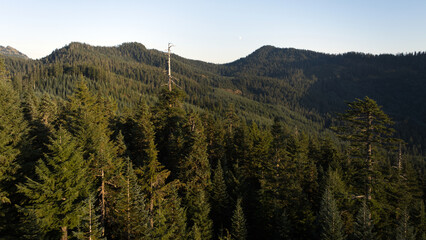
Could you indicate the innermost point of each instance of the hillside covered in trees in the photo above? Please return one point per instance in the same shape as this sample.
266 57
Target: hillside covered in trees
94 146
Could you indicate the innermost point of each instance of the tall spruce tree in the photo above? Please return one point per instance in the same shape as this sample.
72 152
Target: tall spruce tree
239 225
87 118
166 216
169 121
12 130
57 195
404 230
130 212
194 173
219 199
364 224
13 135
366 126
331 221
90 221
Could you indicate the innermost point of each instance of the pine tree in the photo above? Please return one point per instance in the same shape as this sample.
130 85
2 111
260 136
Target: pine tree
195 175
90 224
57 196
405 231
366 126
331 221
12 130
166 217
13 139
219 198
140 135
130 215
364 224
169 121
239 227
199 211
87 118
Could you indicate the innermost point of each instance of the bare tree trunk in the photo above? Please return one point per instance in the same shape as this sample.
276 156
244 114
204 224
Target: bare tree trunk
64 233
369 158
400 159
128 202
103 202
90 219
151 207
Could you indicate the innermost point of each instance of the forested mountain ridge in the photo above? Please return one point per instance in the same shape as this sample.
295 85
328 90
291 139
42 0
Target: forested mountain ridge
203 161
269 82
11 52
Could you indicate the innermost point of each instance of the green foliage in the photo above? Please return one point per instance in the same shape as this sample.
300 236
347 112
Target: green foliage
279 170
219 198
130 215
58 193
331 221
405 231
90 221
12 129
366 127
239 225
364 224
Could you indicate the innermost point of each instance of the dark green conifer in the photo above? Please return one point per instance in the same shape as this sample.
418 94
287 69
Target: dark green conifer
57 195
364 224
366 126
239 226
13 139
219 198
404 230
90 221
330 219
195 175
130 215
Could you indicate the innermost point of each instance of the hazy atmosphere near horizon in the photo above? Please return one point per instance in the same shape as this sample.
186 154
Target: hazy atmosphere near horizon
216 31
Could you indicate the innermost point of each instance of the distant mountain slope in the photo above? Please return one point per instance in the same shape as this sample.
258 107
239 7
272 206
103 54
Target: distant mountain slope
301 86
11 52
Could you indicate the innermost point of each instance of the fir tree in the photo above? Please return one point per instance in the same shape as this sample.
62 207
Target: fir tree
239 227
90 221
366 126
13 140
331 221
195 175
404 230
87 118
364 224
219 198
131 215
12 130
58 193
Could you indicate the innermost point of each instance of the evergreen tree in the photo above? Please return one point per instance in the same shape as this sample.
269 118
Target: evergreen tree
12 130
90 224
219 198
169 121
366 126
58 193
405 231
331 221
364 224
166 217
130 215
140 135
239 227
13 140
195 175
87 118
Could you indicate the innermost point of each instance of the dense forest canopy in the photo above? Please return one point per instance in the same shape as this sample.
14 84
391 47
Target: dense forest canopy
93 146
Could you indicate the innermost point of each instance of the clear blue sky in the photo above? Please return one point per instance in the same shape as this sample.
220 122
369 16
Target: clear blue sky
216 31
